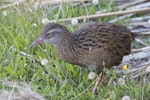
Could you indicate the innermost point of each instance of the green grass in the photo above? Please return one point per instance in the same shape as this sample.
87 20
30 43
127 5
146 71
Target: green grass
57 80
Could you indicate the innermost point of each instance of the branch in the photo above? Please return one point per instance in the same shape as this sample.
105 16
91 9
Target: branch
136 57
141 49
117 13
55 2
129 4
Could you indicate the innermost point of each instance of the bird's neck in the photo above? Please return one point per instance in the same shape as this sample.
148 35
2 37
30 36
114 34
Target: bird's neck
66 48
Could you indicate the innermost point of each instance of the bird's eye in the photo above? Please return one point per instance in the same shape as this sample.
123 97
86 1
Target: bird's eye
49 35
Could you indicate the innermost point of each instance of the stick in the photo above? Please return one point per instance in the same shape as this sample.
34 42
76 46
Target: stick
55 2
136 57
129 4
141 49
105 15
141 42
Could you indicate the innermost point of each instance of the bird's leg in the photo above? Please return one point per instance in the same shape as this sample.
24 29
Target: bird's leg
99 79
96 84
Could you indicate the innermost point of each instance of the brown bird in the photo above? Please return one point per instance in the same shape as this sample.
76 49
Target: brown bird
93 46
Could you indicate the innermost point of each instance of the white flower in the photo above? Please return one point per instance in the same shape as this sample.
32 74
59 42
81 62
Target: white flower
44 50
44 62
25 64
34 25
74 21
25 48
95 2
148 69
121 81
5 13
125 98
45 21
91 75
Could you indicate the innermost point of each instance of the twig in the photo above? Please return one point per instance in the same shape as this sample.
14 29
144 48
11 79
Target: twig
143 64
120 18
9 98
143 5
137 19
143 18
136 57
55 2
140 28
25 54
141 49
141 32
141 42
129 4
133 70
105 15
140 23
139 6
136 72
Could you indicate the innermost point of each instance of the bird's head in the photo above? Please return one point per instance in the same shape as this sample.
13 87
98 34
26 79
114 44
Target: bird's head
51 33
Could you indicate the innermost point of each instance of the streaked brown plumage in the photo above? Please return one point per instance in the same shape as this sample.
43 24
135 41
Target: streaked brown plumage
90 46
93 46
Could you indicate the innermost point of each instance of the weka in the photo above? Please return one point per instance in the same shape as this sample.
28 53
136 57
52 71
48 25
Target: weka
94 46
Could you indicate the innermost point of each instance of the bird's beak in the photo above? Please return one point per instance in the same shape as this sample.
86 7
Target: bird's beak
37 41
